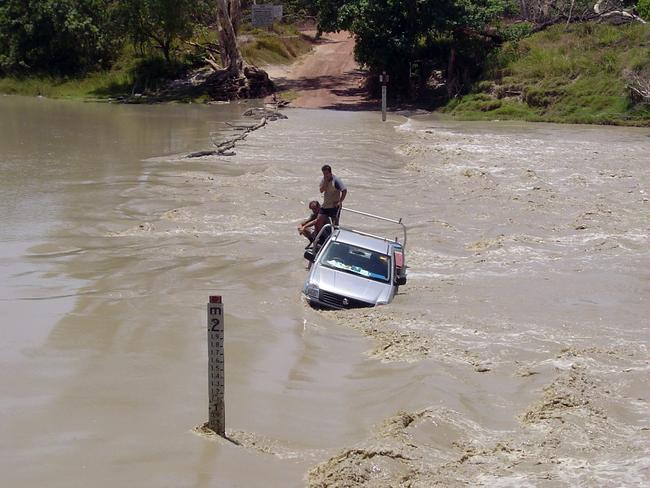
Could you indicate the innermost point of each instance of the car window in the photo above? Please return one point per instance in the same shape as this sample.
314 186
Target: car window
356 260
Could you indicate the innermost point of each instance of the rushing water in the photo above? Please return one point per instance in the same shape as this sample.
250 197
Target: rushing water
517 354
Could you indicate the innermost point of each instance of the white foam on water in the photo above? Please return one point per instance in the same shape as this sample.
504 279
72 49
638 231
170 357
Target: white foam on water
420 275
405 127
630 471
508 480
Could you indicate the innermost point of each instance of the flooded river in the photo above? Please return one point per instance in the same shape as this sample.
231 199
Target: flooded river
516 355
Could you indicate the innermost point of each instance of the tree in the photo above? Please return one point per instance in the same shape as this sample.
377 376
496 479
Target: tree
392 34
388 33
295 11
229 15
328 14
56 36
162 24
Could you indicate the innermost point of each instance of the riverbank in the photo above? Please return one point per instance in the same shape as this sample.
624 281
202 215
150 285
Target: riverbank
582 73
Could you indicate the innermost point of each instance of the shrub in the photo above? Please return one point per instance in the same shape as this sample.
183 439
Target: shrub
154 72
59 37
516 32
643 7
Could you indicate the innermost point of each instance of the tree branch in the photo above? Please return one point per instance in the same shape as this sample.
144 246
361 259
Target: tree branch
225 148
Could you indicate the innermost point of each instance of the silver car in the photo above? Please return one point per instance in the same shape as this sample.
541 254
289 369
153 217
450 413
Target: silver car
354 269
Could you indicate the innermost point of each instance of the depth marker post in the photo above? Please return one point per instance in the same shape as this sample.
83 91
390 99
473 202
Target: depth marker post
383 79
216 378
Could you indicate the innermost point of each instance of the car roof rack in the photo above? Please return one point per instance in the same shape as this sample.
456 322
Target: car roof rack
331 225
378 217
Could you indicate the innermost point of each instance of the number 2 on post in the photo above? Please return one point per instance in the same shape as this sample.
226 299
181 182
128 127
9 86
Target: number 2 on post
215 324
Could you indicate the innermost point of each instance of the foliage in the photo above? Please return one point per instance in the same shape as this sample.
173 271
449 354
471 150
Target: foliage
69 37
328 14
478 13
643 7
393 34
299 10
56 36
387 33
516 32
162 23
154 72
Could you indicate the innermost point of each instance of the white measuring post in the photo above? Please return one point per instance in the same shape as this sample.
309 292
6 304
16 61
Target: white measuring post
216 378
383 79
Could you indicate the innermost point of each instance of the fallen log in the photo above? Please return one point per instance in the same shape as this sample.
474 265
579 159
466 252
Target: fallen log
597 14
224 148
613 15
213 64
199 154
264 113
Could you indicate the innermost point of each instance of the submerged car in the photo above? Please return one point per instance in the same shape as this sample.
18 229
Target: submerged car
354 269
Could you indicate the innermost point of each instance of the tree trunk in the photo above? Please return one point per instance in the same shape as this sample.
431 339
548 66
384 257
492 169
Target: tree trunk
412 14
166 49
235 14
231 56
452 80
523 5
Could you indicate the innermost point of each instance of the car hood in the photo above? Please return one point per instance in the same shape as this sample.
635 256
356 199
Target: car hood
350 285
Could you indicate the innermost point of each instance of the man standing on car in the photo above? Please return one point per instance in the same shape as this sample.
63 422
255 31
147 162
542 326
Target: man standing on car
334 192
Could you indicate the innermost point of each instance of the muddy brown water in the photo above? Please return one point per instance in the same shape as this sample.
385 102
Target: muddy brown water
517 354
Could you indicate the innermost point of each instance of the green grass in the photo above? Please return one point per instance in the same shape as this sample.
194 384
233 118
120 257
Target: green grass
571 74
118 81
96 85
288 95
281 45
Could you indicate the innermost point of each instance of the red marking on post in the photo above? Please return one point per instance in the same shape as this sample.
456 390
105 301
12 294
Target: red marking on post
215 298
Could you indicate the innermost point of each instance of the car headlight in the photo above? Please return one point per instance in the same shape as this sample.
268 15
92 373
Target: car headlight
312 290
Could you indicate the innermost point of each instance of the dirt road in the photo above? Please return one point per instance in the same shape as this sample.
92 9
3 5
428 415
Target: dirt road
328 77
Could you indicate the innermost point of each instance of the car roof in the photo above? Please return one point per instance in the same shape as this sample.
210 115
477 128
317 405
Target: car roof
367 242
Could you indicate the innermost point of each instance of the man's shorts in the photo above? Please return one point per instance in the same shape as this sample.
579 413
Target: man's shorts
330 212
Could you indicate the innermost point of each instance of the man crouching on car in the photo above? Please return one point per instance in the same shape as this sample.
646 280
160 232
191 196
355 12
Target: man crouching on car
304 227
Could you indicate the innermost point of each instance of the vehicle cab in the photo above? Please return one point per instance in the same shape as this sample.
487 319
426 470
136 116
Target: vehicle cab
354 269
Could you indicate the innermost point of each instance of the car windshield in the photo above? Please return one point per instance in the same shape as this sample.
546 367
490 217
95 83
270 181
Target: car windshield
356 260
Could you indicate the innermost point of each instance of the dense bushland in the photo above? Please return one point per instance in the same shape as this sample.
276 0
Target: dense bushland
108 48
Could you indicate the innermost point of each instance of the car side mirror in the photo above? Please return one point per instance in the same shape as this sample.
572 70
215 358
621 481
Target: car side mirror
400 280
310 255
